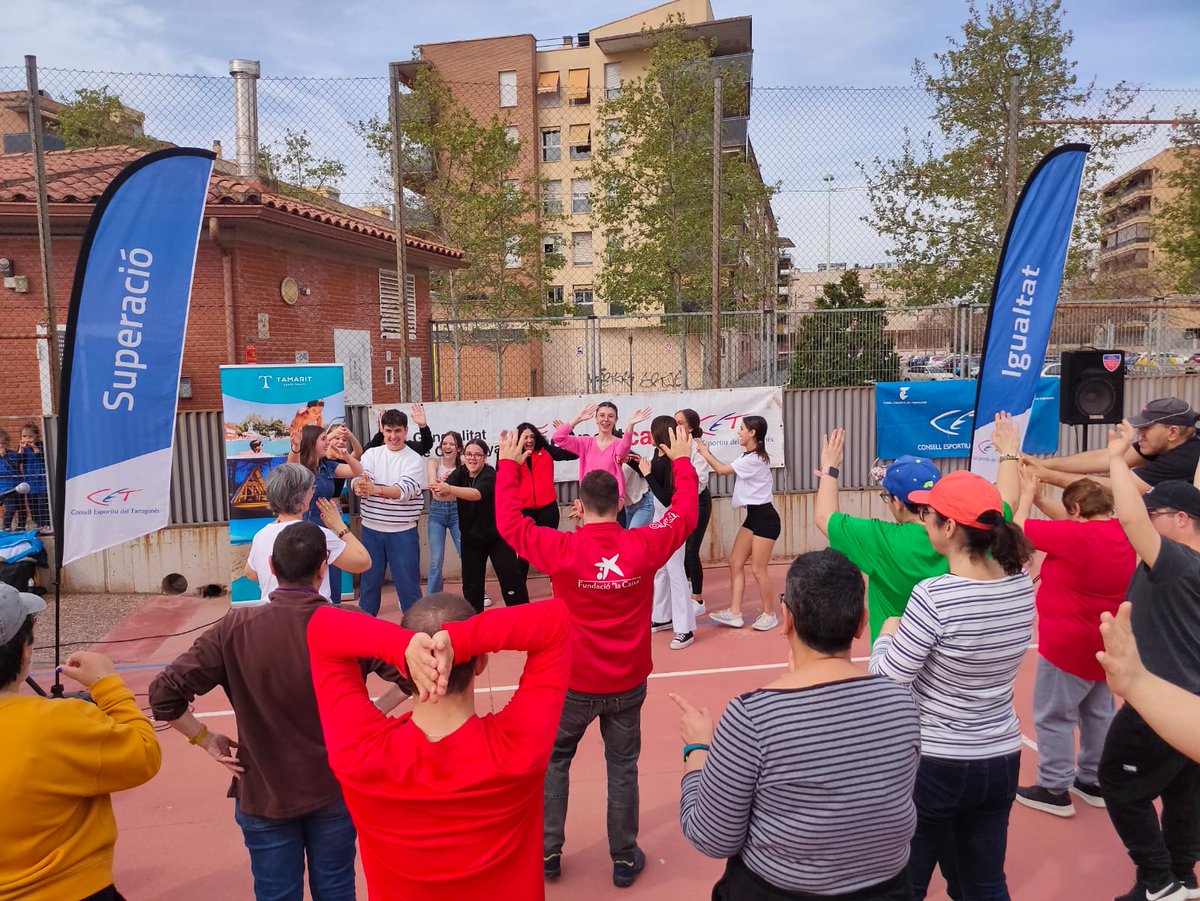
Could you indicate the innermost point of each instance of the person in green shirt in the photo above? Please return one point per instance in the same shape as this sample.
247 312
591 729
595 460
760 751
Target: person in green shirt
894 555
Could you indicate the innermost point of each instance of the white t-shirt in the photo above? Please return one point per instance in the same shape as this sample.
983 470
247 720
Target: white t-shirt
703 470
264 543
753 482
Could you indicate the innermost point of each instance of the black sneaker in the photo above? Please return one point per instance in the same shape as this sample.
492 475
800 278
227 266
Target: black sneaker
1172 891
1055 803
660 627
552 866
1088 793
626 871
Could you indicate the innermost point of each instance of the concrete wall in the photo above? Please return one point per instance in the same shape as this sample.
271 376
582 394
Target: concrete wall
201 554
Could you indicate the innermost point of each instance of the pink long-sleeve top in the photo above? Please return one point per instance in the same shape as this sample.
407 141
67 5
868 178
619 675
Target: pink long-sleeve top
592 456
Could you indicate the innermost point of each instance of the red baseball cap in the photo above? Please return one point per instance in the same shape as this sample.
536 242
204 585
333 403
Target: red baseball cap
963 497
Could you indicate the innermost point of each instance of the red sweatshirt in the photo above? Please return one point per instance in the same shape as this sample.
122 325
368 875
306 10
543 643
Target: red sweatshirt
606 576
460 817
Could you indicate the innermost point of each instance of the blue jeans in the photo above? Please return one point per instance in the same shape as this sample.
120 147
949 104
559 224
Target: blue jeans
278 849
443 518
620 718
962 825
640 513
399 551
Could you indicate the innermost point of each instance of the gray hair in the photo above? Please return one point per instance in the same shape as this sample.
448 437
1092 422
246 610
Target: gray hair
286 487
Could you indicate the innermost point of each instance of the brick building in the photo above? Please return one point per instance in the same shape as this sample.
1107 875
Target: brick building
278 280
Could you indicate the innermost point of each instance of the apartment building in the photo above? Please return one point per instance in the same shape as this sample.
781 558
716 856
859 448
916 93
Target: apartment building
1128 252
14 122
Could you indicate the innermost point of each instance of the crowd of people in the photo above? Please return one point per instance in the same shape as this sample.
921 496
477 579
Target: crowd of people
833 781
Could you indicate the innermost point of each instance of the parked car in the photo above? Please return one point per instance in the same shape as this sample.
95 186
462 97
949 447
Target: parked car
1052 369
1156 361
1192 364
917 362
967 368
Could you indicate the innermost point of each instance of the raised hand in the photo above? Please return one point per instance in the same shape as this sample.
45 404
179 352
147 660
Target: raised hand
418 415
1120 659
639 416
833 449
1120 440
511 447
586 413
429 659
1006 436
576 510
331 514
696 725
681 443
558 424
1029 480
87 667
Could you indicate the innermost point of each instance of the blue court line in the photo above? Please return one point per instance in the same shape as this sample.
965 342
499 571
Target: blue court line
119 669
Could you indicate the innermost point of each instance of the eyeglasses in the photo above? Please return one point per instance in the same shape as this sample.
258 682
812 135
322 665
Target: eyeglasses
1162 512
474 456
885 496
923 513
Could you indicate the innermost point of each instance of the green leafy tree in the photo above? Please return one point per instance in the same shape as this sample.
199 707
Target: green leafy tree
652 187
472 196
1177 224
97 118
292 167
845 343
945 210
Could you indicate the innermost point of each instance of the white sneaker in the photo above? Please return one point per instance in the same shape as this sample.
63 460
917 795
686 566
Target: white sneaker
727 618
682 640
487 602
766 622
701 609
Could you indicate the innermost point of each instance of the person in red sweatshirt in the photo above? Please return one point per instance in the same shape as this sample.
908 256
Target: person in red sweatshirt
605 574
446 803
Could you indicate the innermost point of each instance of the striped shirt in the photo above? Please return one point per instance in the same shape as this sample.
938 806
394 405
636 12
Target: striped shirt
403 469
812 786
959 646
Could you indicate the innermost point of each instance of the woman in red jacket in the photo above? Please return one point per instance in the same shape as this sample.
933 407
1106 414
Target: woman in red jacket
539 500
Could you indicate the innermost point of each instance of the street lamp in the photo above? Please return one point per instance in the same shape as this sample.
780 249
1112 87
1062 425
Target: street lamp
828 179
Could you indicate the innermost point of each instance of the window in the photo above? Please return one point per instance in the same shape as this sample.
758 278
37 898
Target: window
584 305
616 309
508 88
580 139
554 297
552 244
512 252
551 145
547 90
612 81
510 134
579 87
391 318
614 136
581 248
552 198
581 195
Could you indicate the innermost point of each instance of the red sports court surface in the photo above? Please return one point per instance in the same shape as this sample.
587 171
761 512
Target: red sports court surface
178 839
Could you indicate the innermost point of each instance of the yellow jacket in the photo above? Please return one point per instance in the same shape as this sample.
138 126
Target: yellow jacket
61 760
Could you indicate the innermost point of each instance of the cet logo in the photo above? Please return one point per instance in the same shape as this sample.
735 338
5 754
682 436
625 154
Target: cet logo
1111 361
950 426
904 392
607 566
106 497
730 418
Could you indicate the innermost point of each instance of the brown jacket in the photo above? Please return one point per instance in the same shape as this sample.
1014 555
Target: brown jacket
259 655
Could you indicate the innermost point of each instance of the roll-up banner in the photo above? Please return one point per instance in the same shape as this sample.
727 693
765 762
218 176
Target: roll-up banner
1024 298
123 351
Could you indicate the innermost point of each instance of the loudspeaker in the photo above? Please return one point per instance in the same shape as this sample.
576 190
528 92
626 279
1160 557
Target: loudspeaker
1092 387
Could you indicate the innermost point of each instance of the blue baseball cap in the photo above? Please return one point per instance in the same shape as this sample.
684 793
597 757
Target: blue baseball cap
910 474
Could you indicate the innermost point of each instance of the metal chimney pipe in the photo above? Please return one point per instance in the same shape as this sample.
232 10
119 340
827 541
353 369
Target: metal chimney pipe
245 75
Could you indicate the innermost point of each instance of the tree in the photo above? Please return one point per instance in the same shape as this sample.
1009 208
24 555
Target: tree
97 118
1177 224
652 186
291 166
846 345
473 197
945 211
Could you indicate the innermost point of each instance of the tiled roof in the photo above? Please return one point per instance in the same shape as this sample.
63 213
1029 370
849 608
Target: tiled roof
81 176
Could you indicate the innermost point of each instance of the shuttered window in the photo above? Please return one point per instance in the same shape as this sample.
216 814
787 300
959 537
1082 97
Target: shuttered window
391 318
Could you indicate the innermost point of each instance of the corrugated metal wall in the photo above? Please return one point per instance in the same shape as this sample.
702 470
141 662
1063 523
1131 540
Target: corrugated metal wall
198 487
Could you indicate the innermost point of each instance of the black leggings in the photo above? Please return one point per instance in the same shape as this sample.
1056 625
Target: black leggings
475 555
740 883
543 516
691 553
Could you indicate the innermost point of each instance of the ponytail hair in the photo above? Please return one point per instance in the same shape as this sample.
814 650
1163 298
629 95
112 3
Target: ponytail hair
1007 544
758 427
692 418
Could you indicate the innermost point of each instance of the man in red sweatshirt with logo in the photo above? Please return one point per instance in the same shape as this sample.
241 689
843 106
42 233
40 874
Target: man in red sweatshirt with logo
446 802
605 574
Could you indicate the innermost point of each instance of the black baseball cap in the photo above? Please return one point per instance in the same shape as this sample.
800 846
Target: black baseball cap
1174 494
1164 411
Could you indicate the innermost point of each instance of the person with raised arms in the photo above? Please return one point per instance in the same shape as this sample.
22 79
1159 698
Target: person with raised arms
605 451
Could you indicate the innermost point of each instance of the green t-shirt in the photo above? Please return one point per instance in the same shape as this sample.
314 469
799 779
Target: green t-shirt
895 557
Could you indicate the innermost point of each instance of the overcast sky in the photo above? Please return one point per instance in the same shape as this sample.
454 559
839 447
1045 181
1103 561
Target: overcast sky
860 43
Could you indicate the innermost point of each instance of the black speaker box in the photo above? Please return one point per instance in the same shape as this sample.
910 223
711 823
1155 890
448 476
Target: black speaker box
1092 387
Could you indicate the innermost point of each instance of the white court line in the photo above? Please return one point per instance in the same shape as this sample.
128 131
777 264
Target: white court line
715 671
